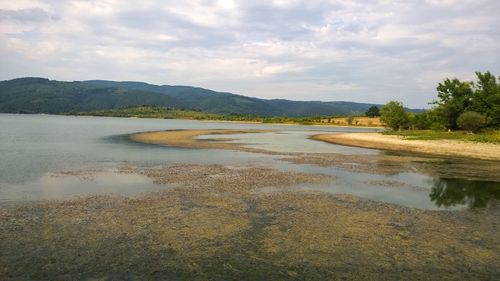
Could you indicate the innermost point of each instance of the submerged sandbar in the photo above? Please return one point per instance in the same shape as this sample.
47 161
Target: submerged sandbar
187 138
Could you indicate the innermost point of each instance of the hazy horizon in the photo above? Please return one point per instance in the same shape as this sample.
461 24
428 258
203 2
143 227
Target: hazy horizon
361 51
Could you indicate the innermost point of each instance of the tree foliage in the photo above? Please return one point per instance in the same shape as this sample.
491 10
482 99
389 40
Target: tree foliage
471 121
394 116
486 99
456 97
373 111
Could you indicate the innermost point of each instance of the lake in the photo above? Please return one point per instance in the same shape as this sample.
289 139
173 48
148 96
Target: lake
35 148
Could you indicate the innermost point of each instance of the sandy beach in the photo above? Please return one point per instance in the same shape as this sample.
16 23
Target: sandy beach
453 148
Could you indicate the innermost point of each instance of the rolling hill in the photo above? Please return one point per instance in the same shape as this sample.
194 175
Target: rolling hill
40 95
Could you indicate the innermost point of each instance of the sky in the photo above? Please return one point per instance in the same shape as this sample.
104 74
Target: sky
365 51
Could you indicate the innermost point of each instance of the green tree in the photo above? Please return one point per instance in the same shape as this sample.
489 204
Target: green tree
394 116
486 98
424 120
454 97
471 121
373 111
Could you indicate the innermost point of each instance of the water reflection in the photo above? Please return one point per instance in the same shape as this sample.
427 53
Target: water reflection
475 194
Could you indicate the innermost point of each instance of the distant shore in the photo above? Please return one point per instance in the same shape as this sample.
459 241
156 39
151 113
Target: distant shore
295 124
456 148
315 124
165 113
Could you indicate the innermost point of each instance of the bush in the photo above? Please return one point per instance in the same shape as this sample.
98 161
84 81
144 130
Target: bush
421 121
394 116
471 121
437 127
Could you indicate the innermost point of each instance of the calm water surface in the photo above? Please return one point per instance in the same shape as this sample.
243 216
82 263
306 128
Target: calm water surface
32 147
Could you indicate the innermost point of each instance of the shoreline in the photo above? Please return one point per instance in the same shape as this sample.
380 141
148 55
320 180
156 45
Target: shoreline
211 121
452 148
285 124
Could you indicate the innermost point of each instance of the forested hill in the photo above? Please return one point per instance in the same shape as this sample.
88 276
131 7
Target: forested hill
40 95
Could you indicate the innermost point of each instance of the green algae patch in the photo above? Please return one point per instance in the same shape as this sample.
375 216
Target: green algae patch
215 225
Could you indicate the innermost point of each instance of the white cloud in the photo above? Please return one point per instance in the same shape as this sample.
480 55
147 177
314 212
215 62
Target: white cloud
369 51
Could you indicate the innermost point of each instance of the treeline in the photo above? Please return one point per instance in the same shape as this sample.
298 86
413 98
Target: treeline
303 120
149 111
466 105
152 111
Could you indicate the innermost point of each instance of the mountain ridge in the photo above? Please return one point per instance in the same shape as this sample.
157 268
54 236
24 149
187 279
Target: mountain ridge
41 95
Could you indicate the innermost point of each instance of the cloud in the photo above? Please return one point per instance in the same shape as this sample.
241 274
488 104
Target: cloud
23 15
367 51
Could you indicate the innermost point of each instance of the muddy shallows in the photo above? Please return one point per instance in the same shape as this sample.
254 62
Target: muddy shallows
243 223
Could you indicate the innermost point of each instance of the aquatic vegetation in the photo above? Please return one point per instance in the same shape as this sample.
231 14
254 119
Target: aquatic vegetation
216 225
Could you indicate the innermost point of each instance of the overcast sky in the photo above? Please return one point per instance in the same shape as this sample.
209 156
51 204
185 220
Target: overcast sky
365 51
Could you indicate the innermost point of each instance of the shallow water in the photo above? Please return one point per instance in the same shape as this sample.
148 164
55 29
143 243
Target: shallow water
290 141
50 186
33 147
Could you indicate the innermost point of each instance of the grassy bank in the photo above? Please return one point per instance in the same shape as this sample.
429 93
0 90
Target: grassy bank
486 137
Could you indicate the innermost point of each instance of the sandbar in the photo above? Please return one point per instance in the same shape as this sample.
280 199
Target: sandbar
187 138
452 148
